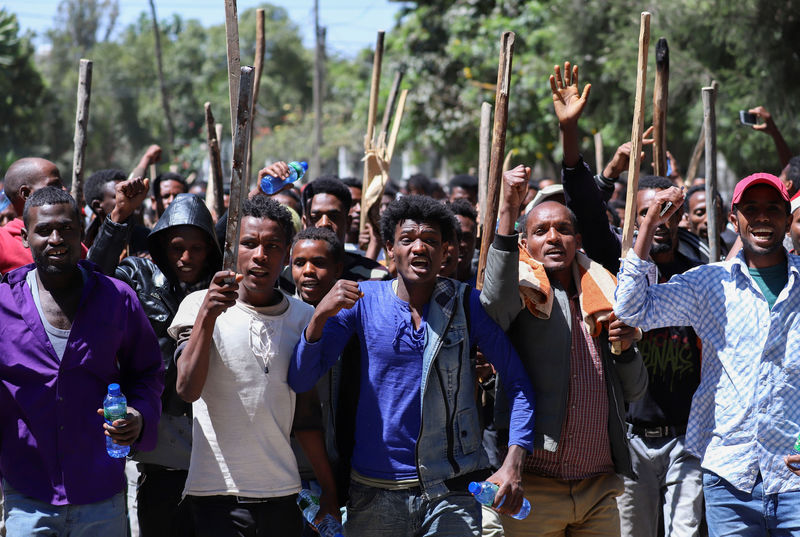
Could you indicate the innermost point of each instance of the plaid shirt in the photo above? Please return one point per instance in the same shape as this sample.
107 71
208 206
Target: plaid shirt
584 449
745 414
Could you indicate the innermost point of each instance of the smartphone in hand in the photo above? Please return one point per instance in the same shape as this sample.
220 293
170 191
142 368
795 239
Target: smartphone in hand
747 119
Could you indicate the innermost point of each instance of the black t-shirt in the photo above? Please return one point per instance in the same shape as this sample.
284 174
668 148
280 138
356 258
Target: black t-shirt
672 357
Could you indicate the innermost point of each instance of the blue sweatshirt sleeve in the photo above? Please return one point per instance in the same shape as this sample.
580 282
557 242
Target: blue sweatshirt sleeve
310 361
586 201
495 345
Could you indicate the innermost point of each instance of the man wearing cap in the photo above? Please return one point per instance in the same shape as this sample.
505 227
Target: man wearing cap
745 415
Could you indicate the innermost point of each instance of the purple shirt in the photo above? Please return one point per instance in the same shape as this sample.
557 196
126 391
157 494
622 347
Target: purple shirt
52 445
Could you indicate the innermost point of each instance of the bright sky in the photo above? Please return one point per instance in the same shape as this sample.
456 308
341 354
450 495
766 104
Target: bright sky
351 24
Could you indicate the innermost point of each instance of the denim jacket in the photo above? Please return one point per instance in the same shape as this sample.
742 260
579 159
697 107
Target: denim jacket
449 412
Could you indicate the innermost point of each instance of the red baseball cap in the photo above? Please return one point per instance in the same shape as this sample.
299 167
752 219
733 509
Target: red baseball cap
758 179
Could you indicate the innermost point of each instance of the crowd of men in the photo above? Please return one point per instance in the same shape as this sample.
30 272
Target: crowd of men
654 394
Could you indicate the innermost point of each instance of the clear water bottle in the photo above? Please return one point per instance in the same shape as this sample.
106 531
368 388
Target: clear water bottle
796 447
115 407
309 505
484 492
270 184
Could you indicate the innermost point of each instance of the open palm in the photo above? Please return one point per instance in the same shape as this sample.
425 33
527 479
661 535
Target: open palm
568 102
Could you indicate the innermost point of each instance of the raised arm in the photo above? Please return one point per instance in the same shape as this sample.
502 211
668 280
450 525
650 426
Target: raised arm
500 293
193 360
151 156
580 191
325 336
768 126
114 231
638 303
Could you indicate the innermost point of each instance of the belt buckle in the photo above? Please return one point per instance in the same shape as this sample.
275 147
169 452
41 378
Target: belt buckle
656 432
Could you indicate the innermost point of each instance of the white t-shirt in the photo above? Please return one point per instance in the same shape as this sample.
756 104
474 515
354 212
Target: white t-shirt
242 421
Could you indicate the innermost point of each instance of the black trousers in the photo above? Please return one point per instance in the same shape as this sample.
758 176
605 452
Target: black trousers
160 511
232 516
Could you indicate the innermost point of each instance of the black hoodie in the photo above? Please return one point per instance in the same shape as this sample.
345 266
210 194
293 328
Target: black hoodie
155 282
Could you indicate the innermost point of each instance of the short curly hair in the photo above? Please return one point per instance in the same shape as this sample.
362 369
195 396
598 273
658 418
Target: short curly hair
93 188
335 246
418 209
327 184
265 207
462 207
49 195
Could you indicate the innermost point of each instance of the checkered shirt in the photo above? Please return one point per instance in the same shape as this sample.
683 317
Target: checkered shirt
584 449
745 415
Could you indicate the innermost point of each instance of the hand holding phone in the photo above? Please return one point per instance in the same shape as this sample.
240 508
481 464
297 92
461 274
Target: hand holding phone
746 118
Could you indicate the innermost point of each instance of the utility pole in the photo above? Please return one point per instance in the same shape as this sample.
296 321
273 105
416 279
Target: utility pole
319 67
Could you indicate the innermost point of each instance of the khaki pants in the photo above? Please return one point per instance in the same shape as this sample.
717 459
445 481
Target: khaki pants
587 507
492 523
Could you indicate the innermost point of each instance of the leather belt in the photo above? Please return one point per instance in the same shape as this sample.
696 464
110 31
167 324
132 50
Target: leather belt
662 431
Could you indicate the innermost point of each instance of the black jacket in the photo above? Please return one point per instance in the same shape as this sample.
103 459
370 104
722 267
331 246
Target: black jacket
154 282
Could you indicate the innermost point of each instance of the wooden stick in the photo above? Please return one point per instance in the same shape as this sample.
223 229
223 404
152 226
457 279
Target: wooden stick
398 116
694 162
153 172
660 96
238 185
484 149
259 66
389 110
636 134
234 58
215 186
373 112
498 149
599 165
710 129
81 128
636 143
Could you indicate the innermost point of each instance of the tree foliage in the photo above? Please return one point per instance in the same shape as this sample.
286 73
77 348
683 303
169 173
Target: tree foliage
449 49
22 89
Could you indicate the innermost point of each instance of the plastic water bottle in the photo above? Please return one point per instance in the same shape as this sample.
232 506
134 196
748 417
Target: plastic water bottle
115 407
309 505
484 492
270 184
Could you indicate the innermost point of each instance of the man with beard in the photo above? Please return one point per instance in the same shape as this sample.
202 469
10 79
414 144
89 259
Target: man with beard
69 332
744 416
669 478
581 388
697 216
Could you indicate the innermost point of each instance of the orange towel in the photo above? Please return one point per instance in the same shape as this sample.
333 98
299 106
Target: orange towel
594 283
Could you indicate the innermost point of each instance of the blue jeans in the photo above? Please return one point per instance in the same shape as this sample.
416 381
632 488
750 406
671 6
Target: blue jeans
28 516
730 511
374 512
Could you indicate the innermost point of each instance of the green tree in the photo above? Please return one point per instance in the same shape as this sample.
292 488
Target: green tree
451 50
23 91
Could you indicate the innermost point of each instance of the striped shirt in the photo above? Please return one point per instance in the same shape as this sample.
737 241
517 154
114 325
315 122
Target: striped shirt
584 449
745 414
